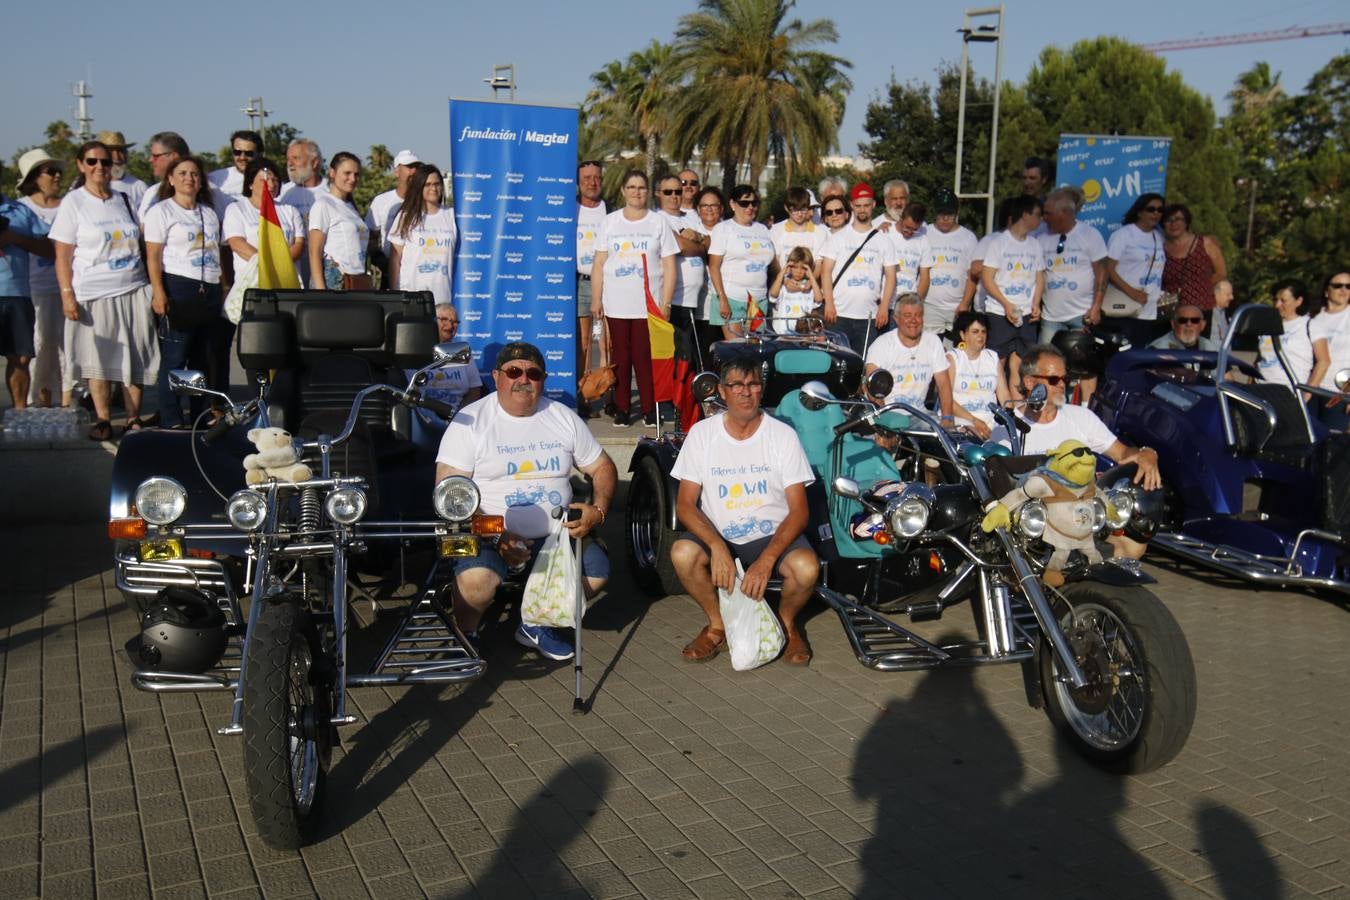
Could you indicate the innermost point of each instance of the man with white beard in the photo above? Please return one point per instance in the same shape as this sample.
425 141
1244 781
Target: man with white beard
122 180
304 165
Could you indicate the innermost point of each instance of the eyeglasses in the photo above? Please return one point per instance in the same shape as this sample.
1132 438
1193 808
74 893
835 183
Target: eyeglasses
1077 451
1153 209
103 161
1059 248
737 387
793 209
746 204
670 192
1052 380
1339 286
1189 320
833 211
246 154
516 372
692 182
710 206
161 153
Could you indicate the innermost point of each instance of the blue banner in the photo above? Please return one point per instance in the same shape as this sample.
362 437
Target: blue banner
1112 172
514 179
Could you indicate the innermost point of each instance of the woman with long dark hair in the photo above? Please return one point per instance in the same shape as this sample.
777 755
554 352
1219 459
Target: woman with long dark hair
242 218
1292 304
1330 334
105 294
422 237
741 263
1134 269
339 235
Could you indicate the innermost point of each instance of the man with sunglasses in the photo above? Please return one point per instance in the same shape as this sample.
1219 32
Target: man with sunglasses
858 272
227 184
1187 324
689 187
519 448
1059 421
166 148
122 180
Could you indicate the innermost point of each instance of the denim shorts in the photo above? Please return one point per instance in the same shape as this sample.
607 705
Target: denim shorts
594 560
750 551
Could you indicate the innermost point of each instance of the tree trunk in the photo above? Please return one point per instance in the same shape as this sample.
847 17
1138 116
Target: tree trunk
652 145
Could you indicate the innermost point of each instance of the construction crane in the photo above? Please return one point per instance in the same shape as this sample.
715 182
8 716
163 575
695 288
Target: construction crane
1252 37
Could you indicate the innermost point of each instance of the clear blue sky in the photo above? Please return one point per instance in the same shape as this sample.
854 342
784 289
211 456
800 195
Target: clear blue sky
349 78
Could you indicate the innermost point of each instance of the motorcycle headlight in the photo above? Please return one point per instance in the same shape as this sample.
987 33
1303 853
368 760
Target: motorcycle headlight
455 498
1119 503
345 506
246 510
1031 518
160 501
908 512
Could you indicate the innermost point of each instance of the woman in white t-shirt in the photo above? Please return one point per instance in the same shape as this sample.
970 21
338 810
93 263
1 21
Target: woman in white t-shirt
1330 334
182 254
635 250
40 191
338 233
710 206
242 217
422 238
105 295
741 262
1292 305
976 376
1135 259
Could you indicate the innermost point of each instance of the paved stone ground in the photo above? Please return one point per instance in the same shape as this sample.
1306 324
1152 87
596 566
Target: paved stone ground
683 780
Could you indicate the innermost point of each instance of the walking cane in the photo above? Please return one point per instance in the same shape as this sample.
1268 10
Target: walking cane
579 705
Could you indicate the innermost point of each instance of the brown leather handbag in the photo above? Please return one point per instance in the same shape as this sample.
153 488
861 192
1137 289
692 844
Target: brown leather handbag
361 282
594 383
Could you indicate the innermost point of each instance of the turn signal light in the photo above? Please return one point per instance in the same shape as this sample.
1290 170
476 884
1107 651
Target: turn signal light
881 537
934 561
126 529
488 524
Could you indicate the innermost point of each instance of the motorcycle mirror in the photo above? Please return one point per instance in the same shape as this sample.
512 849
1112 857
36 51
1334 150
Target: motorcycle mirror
815 395
847 487
186 381
1039 394
879 384
452 353
705 386
1342 380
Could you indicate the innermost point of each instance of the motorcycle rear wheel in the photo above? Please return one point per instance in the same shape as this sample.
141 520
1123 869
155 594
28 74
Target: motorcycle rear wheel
649 537
287 735
1138 707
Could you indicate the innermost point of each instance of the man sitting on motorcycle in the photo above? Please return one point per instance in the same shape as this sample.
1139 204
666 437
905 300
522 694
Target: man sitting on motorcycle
916 358
742 496
509 441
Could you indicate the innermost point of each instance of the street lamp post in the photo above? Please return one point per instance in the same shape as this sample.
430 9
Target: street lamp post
981 34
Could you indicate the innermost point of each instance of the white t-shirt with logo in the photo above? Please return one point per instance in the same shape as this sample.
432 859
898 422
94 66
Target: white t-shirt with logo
590 219
346 233
786 237
107 244
909 256
241 220
301 197
982 248
689 270
626 243
744 482
42 271
949 256
383 211
148 200
746 252
132 186
1296 342
976 383
1068 272
1015 264
521 464
1077 423
227 185
1139 260
913 367
858 290
427 254
1334 328
450 383
191 239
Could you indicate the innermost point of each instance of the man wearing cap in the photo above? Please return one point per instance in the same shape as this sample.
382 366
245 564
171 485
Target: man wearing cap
21 233
166 148
385 206
122 180
857 274
519 448
951 248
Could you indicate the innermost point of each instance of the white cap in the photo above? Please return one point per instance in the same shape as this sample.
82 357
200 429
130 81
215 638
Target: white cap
405 158
814 202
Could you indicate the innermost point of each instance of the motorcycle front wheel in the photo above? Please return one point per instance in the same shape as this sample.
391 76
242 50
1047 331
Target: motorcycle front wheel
287 728
649 536
1137 709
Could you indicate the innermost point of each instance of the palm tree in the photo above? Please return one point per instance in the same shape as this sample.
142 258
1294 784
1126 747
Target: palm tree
758 87
628 109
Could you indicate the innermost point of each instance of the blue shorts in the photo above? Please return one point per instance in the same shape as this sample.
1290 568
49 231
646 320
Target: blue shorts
594 560
16 327
1050 329
750 551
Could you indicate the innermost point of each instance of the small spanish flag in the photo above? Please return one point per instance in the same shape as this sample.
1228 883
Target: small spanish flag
670 367
275 267
754 316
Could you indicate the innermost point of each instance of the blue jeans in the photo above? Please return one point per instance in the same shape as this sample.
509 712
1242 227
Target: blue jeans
183 348
1050 329
860 332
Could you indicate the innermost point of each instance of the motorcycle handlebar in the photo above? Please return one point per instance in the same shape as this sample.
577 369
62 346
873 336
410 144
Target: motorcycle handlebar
440 408
219 427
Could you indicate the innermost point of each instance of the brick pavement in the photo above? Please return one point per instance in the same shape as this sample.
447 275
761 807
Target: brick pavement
684 780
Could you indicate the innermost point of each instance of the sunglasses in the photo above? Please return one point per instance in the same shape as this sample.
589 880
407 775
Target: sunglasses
670 192
693 182
1077 451
1152 209
1190 320
246 154
516 372
103 161
746 204
833 211
1059 248
1052 380
1339 286
49 170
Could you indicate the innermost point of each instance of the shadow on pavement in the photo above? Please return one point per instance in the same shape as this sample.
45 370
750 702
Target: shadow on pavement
26 779
1242 866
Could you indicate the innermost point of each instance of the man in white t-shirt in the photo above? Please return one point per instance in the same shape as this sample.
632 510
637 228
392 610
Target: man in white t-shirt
383 207
894 198
915 357
304 166
1013 276
591 214
690 270
166 148
951 249
519 448
910 240
122 180
742 497
227 184
1074 266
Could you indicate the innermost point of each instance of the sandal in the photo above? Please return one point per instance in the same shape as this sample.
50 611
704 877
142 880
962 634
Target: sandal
139 423
708 644
101 431
797 652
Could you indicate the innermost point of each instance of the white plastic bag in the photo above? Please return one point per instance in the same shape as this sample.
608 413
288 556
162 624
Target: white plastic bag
553 591
754 634
245 277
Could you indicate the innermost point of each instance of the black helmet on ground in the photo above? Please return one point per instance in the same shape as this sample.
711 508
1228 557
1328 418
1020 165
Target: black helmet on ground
184 630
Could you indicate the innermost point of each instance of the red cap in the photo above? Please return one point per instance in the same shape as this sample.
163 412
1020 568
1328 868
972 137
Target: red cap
861 189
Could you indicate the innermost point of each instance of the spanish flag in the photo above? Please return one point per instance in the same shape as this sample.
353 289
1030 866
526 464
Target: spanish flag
754 316
670 370
275 267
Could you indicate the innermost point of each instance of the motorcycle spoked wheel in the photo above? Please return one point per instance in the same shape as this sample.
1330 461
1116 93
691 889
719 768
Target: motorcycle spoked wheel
287 735
1136 711
649 537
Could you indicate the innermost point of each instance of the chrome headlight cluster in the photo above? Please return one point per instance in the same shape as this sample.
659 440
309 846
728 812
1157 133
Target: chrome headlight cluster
1031 518
246 510
907 512
346 506
455 498
160 500
1120 506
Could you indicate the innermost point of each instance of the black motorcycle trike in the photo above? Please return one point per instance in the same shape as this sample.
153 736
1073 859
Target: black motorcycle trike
1101 654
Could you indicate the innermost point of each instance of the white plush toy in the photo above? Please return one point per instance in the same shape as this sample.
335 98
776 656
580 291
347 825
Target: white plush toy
276 458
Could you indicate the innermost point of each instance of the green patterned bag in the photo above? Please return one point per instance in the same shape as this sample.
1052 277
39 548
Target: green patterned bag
754 634
553 591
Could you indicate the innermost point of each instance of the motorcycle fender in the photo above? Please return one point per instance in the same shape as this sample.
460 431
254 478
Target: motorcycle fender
1116 576
664 452
1031 677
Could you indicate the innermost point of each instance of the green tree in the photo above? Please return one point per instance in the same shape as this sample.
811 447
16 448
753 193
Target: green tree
375 176
749 94
276 138
628 112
